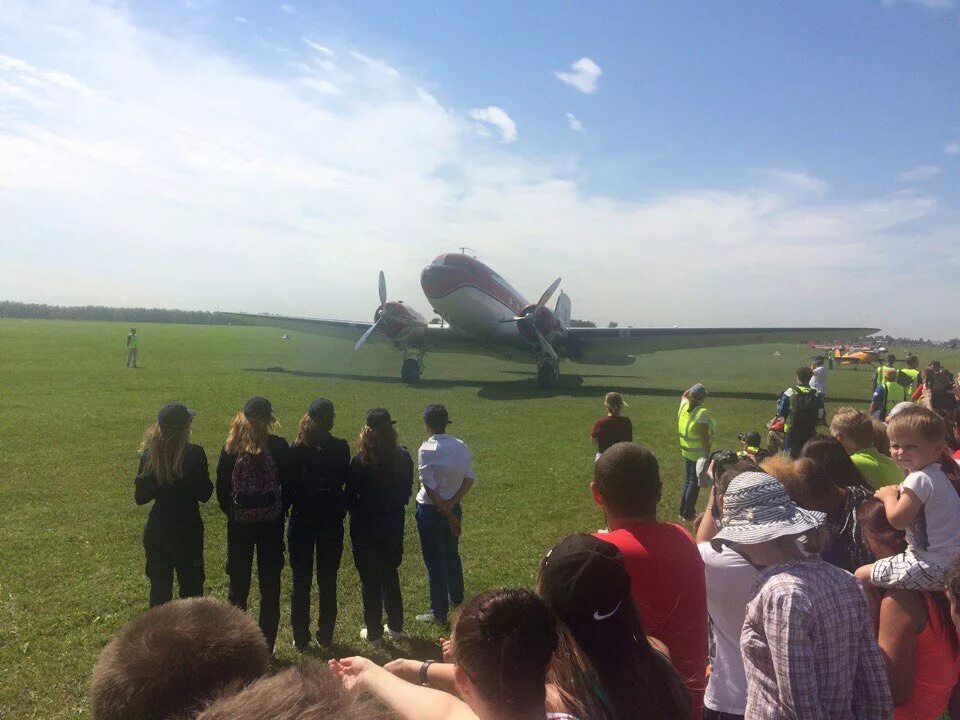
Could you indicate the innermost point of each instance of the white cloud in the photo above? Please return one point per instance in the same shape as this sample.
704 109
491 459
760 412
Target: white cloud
952 148
322 49
574 122
111 193
288 8
800 181
498 118
240 19
584 76
919 173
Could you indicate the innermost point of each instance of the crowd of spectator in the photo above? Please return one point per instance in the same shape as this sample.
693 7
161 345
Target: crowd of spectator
822 582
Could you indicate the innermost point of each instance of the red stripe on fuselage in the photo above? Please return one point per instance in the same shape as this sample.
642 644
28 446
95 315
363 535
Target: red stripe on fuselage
451 272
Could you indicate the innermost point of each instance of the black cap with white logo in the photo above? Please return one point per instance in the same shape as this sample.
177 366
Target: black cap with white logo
584 578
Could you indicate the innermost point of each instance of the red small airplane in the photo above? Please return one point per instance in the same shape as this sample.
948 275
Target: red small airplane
484 314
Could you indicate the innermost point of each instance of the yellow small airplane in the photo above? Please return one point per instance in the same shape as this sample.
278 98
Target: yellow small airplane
853 356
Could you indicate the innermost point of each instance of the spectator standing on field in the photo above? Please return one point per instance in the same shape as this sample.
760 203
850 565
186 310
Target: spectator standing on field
614 427
819 380
319 467
887 395
174 474
381 482
666 571
801 409
913 374
253 476
133 343
808 643
696 427
938 390
855 430
446 476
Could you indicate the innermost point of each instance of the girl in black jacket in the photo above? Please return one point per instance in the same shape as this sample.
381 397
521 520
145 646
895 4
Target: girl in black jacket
252 490
174 474
380 485
320 463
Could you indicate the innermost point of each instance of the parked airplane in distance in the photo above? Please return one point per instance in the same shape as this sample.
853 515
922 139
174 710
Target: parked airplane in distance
483 314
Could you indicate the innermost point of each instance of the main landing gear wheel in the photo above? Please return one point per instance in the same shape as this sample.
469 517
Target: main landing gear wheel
411 370
546 375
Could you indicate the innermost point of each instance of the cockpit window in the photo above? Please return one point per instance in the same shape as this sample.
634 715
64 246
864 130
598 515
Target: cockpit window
458 262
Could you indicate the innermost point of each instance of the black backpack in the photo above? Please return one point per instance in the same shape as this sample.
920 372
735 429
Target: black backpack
806 408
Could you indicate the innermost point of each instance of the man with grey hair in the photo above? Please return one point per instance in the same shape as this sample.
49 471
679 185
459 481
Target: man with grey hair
696 427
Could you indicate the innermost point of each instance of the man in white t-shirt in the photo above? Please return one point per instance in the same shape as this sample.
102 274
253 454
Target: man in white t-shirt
446 475
729 580
819 380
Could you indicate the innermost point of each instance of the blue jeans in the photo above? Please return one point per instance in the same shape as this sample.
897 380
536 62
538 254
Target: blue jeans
691 490
441 556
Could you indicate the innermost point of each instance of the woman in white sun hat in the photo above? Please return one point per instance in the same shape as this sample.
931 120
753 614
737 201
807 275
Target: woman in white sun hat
808 644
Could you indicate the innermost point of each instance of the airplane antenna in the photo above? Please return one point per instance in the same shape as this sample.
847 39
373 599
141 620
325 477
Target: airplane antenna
463 251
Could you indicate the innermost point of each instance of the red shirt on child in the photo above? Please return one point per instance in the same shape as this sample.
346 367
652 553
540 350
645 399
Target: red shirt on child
610 430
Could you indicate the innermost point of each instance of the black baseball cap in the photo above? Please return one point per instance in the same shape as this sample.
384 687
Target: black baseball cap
436 416
751 438
584 578
379 418
174 416
320 408
258 408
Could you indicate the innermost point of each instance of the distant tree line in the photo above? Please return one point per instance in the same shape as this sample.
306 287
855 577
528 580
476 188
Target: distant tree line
38 311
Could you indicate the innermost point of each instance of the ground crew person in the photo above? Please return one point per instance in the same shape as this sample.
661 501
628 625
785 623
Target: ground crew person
801 408
132 344
695 427
912 372
887 394
881 370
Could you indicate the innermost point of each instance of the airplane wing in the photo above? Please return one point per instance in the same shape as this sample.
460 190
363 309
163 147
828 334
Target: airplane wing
433 337
615 345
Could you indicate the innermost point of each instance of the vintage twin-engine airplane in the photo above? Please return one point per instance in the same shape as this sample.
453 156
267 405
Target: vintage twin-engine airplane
483 314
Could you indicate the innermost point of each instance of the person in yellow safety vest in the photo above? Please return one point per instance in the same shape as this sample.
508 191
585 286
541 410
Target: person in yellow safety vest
887 394
879 374
696 427
132 344
801 408
912 371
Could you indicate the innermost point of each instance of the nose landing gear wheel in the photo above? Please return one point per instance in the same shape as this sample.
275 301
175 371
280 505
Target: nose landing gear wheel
411 370
546 375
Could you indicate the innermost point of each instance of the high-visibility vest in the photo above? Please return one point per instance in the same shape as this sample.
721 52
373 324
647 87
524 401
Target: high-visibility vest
914 376
792 393
691 446
132 341
894 393
878 376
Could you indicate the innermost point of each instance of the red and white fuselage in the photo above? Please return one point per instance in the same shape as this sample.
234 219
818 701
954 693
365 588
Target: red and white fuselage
479 303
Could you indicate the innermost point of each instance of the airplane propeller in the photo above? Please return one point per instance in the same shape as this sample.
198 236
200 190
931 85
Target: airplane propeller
529 318
382 287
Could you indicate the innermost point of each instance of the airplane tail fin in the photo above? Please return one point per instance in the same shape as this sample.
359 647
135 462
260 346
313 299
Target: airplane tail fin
563 309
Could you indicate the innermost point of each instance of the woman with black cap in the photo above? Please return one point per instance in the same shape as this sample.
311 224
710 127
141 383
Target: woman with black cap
252 484
173 473
379 488
320 463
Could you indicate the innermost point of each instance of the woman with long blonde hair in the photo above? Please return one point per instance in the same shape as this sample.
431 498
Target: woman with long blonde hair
174 474
321 464
253 481
380 485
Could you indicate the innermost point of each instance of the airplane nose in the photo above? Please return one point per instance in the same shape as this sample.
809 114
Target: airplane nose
433 280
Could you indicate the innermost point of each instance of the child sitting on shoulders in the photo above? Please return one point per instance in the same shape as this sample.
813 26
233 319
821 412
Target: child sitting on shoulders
926 504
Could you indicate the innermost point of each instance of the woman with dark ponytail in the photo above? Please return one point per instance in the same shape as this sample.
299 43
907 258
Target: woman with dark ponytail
503 643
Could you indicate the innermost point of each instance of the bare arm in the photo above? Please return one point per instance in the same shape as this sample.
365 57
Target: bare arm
902 507
708 526
464 489
406 700
439 675
899 613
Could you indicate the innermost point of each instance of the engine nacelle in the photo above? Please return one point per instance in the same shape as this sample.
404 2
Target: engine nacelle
403 325
546 322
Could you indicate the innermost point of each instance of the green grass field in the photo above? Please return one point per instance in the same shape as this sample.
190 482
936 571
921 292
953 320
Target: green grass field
71 562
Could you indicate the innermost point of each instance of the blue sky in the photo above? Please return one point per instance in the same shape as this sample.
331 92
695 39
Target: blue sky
742 151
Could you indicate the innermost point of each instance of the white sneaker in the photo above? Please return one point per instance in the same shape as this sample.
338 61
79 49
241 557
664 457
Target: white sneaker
392 634
363 636
428 617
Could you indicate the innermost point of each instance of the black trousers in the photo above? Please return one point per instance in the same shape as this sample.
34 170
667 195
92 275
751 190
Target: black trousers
266 539
317 538
709 714
377 540
169 550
